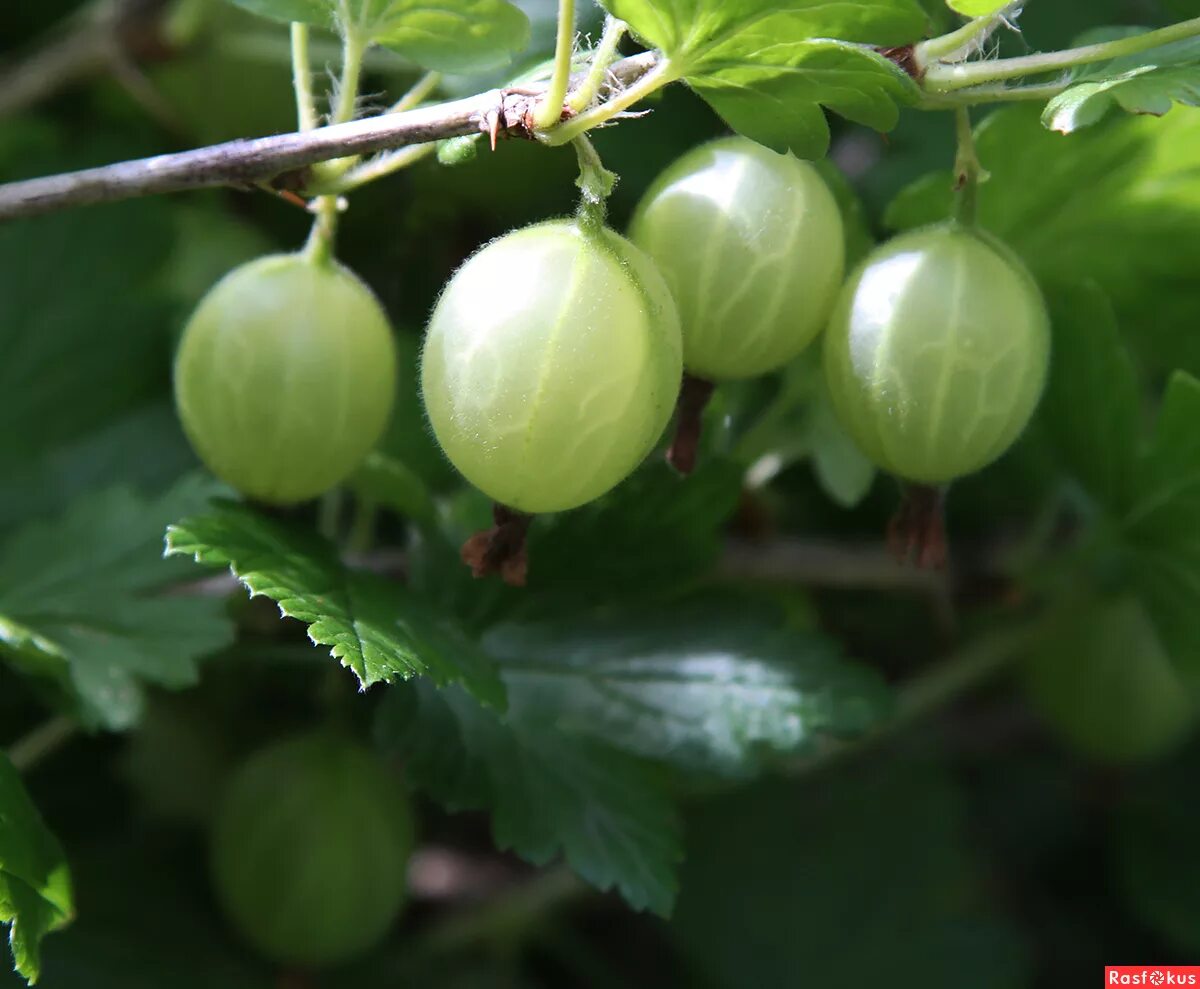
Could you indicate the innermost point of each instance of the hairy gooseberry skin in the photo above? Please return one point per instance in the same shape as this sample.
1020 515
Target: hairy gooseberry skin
1103 681
936 353
285 377
309 850
752 246
551 365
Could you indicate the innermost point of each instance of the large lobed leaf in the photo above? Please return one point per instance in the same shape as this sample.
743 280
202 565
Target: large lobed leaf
374 626
81 323
548 791
768 68
35 883
706 688
447 35
80 597
699 689
1149 82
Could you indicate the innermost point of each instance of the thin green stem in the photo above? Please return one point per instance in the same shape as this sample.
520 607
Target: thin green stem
362 525
947 78
999 93
956 676
319 248
419 91
549 110
585 94
595 183
382 165
345 174
353 49
44 740
329 513
661 75
959 44
306 105
967 171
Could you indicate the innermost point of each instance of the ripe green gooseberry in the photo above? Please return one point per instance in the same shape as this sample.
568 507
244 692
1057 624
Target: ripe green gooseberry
1102 679
752 246
309 850
285 377
551 365
936 353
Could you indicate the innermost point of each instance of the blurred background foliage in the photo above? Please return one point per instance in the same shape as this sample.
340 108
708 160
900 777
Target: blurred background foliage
979 851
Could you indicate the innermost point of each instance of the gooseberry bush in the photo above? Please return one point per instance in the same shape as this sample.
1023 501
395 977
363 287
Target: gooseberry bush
715 482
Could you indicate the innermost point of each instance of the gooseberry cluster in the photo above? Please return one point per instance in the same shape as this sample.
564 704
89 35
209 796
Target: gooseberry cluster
554 356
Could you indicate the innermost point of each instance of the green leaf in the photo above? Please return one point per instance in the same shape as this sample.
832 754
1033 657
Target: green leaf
774 95
1153 842
1064 203
389 482
145 448
853 879
978 8
1163 525
1092 404
374 626
82 591
693 27
35 883
1099 675
76 352
844 473
146 918
447 35
318 12
798 424
549 791
705 687
653 532
769 68
855 222
1148 82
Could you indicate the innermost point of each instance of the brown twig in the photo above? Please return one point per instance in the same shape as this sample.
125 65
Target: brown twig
248 162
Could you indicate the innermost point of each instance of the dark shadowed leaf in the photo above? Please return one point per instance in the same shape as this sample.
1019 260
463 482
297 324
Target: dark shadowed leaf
549 792
82 592
1092 404
843 881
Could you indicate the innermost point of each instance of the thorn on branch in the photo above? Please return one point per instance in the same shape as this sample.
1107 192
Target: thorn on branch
693 399
501 549
290 197
513 115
